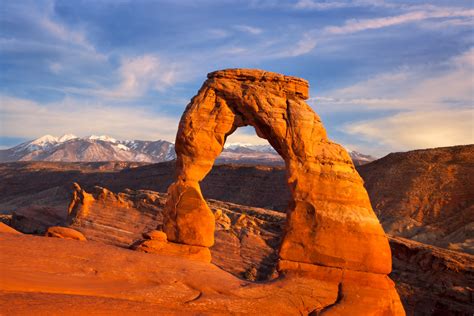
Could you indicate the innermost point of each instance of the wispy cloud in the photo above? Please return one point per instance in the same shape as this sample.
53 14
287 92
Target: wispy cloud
303 46
358 25
82 118
408 88
136 77
64 33
432 109
248 29
139 74
217 33
330 5
418 129
55 67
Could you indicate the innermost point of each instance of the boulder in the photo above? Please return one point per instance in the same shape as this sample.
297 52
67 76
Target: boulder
172 249
155 235
65 233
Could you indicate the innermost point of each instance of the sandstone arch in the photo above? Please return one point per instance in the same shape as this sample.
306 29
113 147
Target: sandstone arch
330 220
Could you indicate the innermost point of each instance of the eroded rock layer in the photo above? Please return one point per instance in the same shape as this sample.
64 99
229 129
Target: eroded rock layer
330 221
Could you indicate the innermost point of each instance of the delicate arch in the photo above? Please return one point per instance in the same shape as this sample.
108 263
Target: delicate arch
330 220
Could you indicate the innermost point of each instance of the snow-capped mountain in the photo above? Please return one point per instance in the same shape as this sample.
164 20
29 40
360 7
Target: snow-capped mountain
242 147
70 148
360 159
248 153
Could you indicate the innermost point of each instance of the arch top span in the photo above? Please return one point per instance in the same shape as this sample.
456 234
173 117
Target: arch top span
330 220
291 85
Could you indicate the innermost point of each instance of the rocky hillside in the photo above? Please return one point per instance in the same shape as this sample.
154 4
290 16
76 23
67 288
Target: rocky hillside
70 148
425 195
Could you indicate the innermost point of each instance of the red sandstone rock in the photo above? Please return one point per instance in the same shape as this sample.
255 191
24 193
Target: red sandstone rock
4 228
65 233
155 235
331 221
173 249
45 275
188 220
114 218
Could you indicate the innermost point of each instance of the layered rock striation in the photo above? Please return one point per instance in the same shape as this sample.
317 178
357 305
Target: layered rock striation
330 226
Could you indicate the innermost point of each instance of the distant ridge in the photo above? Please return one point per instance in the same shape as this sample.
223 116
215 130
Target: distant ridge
71 148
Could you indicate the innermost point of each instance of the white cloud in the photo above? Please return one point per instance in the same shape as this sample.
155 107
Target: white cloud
433 109
248 29
63 33
419 129
218 33
408 88
358 25
29 119
140 74
55 68
329 5
423 15
305 45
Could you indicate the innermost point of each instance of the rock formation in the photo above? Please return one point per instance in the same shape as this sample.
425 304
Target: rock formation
327 193
331 228
113 218
65 233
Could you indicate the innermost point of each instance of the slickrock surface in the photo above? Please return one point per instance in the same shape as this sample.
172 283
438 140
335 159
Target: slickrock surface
246 245
426 195
65 233
50 275
7 229
330 220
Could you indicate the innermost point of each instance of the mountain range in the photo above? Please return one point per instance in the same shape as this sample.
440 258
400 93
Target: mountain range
70 148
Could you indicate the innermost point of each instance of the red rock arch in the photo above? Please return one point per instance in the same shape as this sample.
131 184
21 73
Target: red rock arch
330 220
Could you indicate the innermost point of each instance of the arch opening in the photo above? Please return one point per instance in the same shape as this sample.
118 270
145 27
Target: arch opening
247 192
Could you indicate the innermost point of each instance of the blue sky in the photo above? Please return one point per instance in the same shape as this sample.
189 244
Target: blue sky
385 75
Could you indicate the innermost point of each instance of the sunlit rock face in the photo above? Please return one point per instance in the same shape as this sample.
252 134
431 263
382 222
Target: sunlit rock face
331 231
330 220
